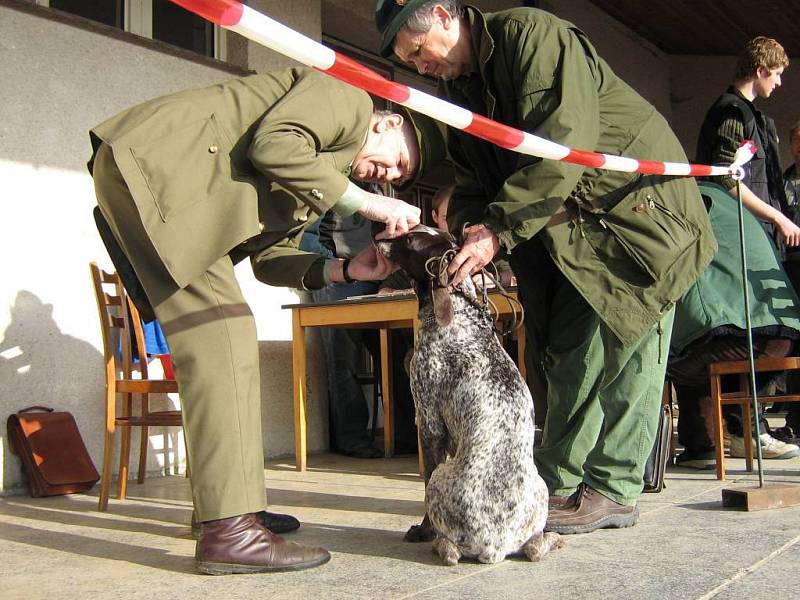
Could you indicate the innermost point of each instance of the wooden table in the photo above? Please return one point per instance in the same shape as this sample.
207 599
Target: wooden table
379 311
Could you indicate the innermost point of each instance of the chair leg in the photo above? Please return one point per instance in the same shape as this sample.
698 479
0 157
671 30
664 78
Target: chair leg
105 476
747 431
124 462
719 443
143 443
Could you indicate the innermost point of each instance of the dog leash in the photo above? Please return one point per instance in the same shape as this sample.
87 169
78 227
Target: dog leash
436 268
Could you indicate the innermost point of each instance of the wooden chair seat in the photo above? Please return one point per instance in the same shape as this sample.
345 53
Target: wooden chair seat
743 397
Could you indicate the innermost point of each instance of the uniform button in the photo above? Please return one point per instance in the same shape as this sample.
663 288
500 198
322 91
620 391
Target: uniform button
316 193
261 226
212 149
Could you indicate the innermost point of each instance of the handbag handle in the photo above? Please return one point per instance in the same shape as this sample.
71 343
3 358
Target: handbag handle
32 408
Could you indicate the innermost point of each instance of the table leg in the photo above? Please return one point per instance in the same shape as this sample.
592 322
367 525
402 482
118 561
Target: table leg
521 353
386 387
420 462
299 376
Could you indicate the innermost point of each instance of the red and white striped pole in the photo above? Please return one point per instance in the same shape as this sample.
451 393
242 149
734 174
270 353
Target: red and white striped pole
235 16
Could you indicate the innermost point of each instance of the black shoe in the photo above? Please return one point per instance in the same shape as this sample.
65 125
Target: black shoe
703 461
275 522
363 452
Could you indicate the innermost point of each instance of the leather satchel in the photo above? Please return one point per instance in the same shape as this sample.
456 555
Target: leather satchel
660 455
54 458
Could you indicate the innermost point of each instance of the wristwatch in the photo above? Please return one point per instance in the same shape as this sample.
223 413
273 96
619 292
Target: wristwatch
346 276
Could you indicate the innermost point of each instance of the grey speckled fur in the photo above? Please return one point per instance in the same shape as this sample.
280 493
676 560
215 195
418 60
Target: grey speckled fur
484 496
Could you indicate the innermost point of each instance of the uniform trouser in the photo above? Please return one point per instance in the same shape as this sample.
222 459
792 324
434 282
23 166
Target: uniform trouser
212 339
603 398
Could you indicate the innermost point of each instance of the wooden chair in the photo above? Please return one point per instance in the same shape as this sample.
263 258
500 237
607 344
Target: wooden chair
744 398
120 324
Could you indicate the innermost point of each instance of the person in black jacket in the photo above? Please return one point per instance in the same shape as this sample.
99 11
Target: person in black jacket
732 119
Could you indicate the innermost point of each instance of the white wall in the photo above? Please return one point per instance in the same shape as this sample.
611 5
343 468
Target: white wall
59 81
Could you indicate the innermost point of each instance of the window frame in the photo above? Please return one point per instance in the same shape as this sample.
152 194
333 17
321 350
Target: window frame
138 19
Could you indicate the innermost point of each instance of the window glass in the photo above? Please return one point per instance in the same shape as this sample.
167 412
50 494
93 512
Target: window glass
177 26
109 12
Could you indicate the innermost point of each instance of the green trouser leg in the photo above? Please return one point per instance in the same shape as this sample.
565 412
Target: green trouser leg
212 339
603 401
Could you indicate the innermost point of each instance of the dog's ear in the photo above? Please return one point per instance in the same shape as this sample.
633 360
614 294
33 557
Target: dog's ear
442 307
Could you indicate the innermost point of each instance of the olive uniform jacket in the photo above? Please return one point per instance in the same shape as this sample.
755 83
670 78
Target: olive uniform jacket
630 244
239 168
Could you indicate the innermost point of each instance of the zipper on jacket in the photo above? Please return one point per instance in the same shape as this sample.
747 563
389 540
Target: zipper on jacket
579 221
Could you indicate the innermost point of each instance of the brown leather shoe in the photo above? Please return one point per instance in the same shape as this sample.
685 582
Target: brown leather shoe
562 502
591 511
242 545
275 522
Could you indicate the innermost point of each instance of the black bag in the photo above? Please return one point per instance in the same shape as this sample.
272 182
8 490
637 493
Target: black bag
54 458
661 455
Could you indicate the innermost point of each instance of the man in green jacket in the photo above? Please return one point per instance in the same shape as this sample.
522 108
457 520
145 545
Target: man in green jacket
191 183
600 256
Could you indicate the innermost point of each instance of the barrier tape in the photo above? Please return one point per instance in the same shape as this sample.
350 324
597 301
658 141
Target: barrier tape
241 19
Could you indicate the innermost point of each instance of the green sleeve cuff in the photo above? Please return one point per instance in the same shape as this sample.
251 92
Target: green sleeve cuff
351 201
507 238
314 278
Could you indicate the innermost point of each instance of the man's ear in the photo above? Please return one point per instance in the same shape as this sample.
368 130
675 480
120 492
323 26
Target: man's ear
440 12
387 122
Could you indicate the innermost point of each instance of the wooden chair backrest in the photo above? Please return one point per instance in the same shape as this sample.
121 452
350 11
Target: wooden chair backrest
120 324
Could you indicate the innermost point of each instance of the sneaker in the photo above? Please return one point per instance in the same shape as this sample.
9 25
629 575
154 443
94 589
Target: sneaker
770 447
696 460
787 434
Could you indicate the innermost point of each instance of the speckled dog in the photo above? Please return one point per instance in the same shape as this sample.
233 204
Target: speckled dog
483 494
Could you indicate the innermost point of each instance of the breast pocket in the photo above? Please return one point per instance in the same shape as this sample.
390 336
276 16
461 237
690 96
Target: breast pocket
641 231
185 167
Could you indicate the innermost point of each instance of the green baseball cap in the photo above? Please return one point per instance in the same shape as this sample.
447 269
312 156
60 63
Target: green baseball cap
432 148
390 16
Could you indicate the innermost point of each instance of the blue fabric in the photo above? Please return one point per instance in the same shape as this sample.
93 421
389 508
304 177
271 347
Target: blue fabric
154 340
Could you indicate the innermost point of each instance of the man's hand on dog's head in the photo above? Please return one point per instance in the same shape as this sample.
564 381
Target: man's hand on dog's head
480 247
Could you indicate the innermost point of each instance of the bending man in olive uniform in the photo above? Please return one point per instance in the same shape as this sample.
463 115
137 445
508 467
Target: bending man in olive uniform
191 183
600 256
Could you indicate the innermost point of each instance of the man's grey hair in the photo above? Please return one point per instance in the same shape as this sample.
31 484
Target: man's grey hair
421 20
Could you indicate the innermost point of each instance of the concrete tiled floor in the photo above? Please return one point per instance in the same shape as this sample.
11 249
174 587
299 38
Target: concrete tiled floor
685 546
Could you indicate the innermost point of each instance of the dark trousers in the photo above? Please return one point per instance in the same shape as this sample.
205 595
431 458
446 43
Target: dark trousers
690 377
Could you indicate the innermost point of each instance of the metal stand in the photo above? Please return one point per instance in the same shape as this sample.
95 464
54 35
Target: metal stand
763 496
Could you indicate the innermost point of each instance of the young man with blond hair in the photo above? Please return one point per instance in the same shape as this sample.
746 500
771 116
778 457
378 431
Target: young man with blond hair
732 119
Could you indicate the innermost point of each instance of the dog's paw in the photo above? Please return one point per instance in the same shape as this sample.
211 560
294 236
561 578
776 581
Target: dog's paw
540 544
420 533
447 551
